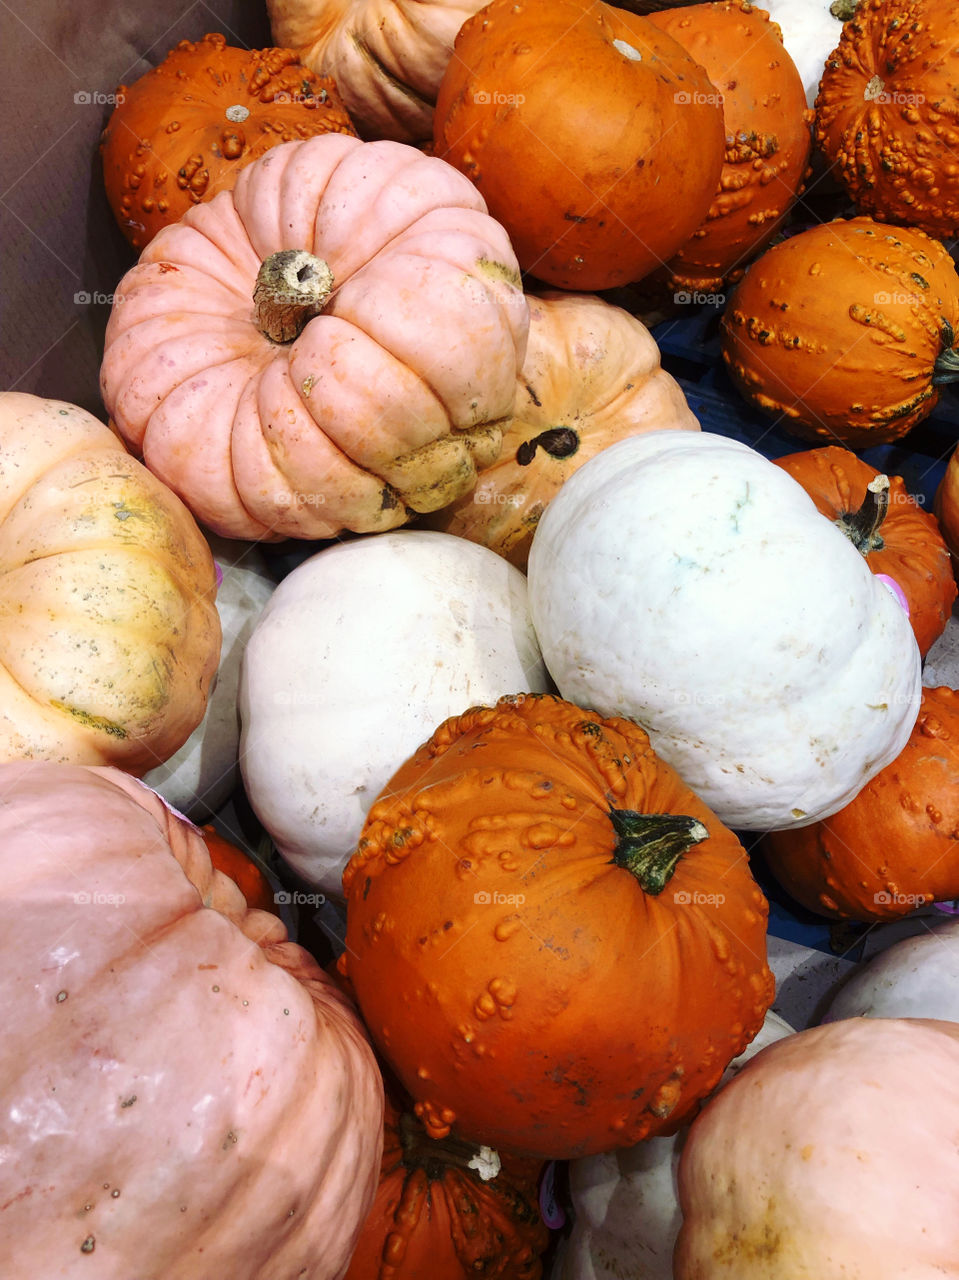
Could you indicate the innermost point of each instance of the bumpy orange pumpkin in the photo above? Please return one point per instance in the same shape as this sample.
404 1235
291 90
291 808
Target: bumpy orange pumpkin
591 376
594 137
946 505
184 130
846 331
896 845
898 538
886 114
554 943
768 137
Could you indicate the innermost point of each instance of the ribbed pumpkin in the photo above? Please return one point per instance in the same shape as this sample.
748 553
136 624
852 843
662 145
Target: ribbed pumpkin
896 845
946 504
591 376
594 137
846 331
556 946
768 138
898 539
886 116
448 1210
185 129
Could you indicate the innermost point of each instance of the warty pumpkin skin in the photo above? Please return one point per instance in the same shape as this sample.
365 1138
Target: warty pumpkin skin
885 523
109 634
594 137
895 846
768 137
185 129
192 1094
555 945
845 332
886 113
280 403
591 376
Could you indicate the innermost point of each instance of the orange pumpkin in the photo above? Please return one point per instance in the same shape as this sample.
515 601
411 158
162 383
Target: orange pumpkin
895 846
886 112
591 376
897 538
184 130
241 869
555 944
946 505
846 331
768 139
594 137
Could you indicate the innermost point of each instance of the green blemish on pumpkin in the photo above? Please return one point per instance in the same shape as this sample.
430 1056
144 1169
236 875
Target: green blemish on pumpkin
922 283
90 721
744 501
499 271
88 1245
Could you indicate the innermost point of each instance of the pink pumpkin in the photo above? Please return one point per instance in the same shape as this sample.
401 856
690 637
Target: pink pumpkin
331 345
832 1154
186 1095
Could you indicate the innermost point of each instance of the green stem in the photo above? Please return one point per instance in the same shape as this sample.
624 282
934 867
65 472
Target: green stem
650 844
862 527
843 9
946 368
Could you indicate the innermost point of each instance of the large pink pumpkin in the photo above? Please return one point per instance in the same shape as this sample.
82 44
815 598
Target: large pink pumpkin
324 405
186 1095
834 1153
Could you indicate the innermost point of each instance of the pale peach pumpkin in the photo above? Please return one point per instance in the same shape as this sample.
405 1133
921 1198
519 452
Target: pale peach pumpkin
280 400
186 1094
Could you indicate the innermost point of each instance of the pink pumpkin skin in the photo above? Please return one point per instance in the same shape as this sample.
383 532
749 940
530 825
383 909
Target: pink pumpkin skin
832 1154
186 1095
380 406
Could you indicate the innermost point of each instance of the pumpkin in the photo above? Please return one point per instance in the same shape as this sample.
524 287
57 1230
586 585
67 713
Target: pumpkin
810 31
647 575
846 331
306 411
361 651
192 1094
200 777
555 945
893 848
185 129
448 1210
109 637
914 978
825 1157
387 57
242 869
899 540
592 375
625 1203
599 190
768 139
886 113
946 505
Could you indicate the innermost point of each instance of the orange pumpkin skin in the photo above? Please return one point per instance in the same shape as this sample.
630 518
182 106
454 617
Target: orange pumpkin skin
434 1216
896 845
183 131
844 333
594 138
768 137
946 505
886 113
241 869
905 544
528 992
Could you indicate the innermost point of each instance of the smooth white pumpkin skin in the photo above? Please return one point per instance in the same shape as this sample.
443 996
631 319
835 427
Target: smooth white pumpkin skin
203 774
810 34
832 1154
363 650
626 1202
914 978
683 581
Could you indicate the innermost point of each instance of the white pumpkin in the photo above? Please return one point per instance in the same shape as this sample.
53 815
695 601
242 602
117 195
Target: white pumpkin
362 652
683 581
204 773
914 978
810 32
626 1203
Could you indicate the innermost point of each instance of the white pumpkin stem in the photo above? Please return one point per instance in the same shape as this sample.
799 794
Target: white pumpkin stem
862 527
435 1155
292 287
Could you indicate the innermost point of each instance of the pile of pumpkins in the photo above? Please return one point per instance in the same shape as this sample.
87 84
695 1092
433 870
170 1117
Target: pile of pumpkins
558 650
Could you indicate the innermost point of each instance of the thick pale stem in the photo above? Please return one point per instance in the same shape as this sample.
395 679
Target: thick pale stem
863 527
291 288
436 1155
650 844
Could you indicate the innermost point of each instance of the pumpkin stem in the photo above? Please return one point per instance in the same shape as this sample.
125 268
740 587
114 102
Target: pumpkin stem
436 1155
558 442
946 368
843 9
650 844
862 527
292 287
